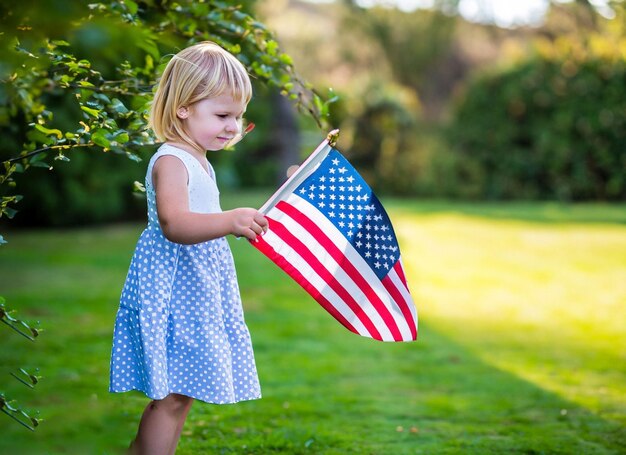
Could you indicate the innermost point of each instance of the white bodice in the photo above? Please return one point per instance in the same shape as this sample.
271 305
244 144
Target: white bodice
201 186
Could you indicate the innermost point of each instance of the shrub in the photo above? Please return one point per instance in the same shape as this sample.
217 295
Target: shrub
552 127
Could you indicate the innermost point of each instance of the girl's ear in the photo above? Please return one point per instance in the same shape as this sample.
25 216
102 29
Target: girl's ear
182 112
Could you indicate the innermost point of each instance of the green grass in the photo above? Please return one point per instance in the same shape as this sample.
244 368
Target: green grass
522 343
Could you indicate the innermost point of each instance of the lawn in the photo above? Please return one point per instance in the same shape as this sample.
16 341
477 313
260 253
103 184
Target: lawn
522 343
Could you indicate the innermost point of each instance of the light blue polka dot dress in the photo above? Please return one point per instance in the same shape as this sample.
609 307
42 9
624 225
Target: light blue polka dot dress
180 325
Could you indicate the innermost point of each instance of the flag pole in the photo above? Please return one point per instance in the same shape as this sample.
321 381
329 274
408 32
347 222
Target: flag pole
304 170
332 137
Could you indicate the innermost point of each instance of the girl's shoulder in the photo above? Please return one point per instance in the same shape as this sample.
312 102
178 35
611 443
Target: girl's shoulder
167 149
170 150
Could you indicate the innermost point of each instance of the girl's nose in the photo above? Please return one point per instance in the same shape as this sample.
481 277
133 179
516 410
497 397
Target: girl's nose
233 126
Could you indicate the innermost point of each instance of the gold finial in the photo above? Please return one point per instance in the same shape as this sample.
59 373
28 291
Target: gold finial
332 137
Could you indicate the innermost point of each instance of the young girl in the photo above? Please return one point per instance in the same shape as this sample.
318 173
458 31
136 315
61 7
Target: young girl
180 334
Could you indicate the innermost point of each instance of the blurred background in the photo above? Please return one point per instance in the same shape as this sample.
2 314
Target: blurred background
469 99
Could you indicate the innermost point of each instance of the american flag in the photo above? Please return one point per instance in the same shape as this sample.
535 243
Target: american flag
330 233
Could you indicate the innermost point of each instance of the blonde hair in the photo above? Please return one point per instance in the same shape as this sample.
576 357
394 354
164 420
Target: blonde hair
204 70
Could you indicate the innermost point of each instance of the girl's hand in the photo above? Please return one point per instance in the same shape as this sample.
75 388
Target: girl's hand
248 223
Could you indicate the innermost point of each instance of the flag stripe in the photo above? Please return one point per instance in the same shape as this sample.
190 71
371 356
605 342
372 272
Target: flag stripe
342 276
391 282
296 261
400 271
295 243
397 277
267 249
346 265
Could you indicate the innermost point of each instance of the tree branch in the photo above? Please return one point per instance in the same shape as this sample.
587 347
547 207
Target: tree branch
45 149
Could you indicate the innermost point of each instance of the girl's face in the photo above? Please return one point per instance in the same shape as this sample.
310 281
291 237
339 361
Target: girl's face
213 122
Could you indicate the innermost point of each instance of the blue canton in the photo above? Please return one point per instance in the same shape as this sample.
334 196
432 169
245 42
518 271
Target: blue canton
337 190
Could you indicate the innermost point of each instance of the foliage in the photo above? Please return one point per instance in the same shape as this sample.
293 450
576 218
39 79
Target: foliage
30 380
550 127
46 78
382 138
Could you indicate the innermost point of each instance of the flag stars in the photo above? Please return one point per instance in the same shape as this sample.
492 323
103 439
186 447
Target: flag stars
351 207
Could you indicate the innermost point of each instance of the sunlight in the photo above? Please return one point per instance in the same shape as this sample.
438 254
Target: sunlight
525 297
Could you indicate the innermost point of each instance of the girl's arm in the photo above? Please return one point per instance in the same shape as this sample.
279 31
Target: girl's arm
179 225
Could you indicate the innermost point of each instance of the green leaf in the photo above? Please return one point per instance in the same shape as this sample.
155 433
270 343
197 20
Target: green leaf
133 157
122 137
132 6
99 137
48 131
118 106
9 212
138 187
38 157
92 112
285 59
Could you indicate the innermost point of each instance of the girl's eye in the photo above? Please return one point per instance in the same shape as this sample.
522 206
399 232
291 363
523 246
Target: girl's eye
222 115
